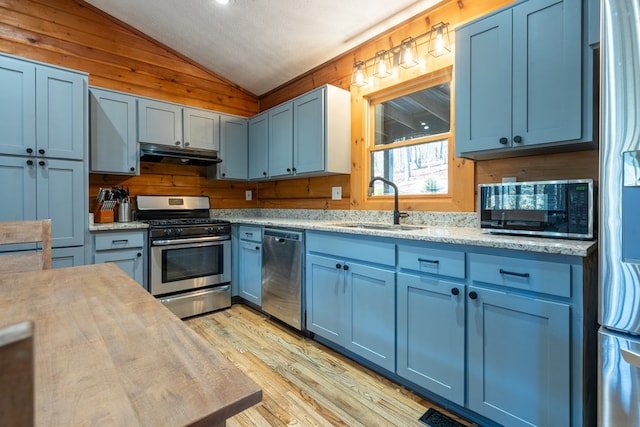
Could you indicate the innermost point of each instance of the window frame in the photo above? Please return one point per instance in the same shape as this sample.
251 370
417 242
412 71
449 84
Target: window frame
401 89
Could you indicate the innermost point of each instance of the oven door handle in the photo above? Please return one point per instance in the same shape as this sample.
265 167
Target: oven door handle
186 241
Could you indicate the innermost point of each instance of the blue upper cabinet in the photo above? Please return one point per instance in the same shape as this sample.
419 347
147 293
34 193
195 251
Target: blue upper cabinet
114 147
521 81
281 140
201 129
234 143
17 106
259 146
159 122
60 107
310 135
41 110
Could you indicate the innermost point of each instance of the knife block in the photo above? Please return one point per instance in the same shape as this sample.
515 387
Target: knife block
103 215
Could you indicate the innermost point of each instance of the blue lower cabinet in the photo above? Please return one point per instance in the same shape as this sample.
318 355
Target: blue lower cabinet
519 371
250 275
431 334
353 305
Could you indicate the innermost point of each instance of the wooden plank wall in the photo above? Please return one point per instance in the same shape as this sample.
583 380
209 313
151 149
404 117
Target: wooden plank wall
73 34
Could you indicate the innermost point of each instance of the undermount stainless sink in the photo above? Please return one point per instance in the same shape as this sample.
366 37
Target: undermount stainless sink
378 226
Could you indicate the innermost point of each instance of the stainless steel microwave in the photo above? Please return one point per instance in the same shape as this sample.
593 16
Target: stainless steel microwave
562 209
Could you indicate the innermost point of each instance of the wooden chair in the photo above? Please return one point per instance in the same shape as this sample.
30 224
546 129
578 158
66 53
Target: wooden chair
17 393
16 232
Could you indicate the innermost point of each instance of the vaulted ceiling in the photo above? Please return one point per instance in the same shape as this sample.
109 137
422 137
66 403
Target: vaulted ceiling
262 44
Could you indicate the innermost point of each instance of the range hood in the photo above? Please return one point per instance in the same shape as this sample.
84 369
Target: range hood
183 155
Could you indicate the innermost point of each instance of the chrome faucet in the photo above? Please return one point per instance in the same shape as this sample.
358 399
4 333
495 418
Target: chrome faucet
396 213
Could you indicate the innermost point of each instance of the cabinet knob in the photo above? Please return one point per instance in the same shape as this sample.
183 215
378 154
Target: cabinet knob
517 139
345 268
139 254
177 143
30 162
132 169
473 295
257 248
338 266
186 144
29 150
455 291
289 170
42 163
503 141
294 170
264 173
41 151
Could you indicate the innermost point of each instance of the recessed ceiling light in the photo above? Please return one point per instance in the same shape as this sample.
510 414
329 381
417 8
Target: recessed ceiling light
222 1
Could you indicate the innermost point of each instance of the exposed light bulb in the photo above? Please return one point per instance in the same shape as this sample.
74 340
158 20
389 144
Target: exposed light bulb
408 54
359 76
382 67
439 42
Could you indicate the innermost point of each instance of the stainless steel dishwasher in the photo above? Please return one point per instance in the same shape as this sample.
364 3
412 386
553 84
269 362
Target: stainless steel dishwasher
282 252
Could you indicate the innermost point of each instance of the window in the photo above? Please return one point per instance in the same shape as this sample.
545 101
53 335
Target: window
410 138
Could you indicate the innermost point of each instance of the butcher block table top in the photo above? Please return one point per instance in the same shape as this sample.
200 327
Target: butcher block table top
108 353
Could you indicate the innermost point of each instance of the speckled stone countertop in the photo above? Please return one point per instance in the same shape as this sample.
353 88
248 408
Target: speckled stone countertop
452 228
113 226
441 227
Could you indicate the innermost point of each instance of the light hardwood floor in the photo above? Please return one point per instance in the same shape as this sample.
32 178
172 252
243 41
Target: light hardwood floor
304 383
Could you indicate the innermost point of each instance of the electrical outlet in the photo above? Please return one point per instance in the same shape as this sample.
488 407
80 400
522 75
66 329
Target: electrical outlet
509 179
247 195
336 193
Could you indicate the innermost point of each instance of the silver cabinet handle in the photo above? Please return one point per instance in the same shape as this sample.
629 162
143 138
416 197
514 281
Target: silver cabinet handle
630 357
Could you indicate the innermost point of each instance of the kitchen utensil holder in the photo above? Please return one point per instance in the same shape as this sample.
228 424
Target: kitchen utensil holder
124 212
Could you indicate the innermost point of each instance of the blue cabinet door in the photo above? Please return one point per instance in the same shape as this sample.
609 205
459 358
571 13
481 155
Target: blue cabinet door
325 297
114 146
519 78
281 140
547 70
60 113
370 313
201 129
250 271
234 148
17 107
431 334
483 84
159 122
61 195
519 369
309 132
259 146
129 260
18 191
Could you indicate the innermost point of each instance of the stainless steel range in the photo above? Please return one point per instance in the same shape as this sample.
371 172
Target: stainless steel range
189 257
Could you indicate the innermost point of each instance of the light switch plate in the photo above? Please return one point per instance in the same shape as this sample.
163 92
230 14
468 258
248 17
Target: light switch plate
336 193
247 195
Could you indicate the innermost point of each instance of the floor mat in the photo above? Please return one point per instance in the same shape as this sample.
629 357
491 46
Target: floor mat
433 418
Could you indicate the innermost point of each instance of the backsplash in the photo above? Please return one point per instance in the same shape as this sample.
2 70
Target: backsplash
450 219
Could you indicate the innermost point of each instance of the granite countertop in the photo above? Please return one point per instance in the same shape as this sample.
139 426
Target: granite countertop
111 226
441 234
440 227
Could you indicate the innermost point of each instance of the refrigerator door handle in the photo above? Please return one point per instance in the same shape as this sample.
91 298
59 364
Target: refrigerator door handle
630 357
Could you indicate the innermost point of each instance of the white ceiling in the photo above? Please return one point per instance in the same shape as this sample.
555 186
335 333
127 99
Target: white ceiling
262 44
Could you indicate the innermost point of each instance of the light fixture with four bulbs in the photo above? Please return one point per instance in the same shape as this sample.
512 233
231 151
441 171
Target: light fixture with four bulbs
405 55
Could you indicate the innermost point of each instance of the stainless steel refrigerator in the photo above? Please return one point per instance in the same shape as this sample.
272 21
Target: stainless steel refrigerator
619 236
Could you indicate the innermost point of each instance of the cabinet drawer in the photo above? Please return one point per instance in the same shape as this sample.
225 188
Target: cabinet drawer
361 248
250 232
532 275
431 260
106 241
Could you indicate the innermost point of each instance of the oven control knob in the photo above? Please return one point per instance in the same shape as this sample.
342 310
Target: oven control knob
177 231
167 232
